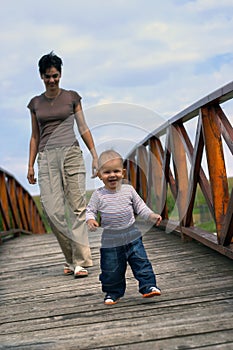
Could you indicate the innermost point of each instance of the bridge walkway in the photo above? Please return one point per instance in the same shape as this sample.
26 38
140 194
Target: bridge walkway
40 308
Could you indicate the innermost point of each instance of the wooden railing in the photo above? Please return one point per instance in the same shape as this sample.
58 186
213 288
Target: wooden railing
18 211
167 161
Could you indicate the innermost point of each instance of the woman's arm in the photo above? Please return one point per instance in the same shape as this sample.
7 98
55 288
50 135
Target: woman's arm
33 149
87 137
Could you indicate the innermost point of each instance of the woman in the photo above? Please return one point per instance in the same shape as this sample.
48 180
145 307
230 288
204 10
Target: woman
61 169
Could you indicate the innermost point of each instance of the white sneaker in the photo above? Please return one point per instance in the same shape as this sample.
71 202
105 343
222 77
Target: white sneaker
152 291
108 300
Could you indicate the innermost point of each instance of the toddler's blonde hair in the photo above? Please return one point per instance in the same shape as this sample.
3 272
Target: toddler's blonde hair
107 156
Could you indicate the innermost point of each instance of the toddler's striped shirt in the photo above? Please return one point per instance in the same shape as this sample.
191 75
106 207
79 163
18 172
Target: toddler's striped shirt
117 208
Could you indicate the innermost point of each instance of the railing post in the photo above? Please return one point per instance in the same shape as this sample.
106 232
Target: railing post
4 202
156 171
131 170
142 162
216 165
181 173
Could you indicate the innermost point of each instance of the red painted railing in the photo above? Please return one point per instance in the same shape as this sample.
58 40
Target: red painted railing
168 161
18 211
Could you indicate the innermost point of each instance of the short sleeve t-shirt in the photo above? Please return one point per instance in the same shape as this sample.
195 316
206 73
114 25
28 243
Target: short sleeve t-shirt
55 118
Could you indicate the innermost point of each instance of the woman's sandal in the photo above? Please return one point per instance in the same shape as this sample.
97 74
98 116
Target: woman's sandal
68 269
79 271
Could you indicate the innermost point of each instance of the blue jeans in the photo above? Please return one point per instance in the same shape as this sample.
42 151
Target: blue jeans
113 262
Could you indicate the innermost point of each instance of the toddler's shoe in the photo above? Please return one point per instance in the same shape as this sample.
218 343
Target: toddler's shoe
151 292
109 300
68 269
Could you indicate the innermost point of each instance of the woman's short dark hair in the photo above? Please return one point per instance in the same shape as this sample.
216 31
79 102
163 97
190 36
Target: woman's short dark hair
48 61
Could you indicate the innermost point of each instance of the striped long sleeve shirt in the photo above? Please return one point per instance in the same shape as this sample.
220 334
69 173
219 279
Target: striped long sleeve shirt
117 208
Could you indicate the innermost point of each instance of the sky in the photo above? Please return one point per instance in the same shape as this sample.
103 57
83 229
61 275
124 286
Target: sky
135 63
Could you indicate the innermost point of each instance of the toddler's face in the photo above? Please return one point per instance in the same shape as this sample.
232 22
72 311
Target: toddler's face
112 173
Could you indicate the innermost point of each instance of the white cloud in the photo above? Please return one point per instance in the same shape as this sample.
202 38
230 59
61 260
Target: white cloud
158 56
208 5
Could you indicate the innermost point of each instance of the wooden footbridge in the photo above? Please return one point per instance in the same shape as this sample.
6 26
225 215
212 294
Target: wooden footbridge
182 170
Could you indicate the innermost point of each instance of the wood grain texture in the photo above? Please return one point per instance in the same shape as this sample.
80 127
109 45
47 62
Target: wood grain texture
42 309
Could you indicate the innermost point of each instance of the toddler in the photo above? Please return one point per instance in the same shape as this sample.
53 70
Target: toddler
121 241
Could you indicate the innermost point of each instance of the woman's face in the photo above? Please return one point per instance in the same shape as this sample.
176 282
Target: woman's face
51 78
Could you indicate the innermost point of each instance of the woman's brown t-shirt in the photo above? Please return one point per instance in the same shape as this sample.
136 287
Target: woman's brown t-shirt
56 118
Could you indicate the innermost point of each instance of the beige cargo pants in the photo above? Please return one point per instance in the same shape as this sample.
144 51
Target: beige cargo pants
61 177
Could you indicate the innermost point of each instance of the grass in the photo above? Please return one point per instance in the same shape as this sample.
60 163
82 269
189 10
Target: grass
201 214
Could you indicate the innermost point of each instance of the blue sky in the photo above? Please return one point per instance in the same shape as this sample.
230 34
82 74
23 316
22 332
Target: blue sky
135 63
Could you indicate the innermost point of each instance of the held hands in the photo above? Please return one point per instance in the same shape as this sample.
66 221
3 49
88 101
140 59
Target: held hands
155 218
31 176
92 224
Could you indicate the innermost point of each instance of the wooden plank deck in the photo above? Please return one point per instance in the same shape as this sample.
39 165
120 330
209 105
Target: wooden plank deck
42 309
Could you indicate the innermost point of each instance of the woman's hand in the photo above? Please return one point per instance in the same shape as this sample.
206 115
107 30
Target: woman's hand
31 176
94 167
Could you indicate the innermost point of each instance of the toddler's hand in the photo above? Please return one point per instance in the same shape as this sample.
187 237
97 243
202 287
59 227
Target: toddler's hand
92 224
155 218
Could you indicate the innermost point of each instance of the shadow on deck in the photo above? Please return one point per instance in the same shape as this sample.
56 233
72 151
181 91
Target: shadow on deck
42 309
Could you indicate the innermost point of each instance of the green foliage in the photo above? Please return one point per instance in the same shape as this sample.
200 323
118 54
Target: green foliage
88 195
41 211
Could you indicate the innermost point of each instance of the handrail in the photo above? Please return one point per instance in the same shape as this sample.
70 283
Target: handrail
153 165
18 211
